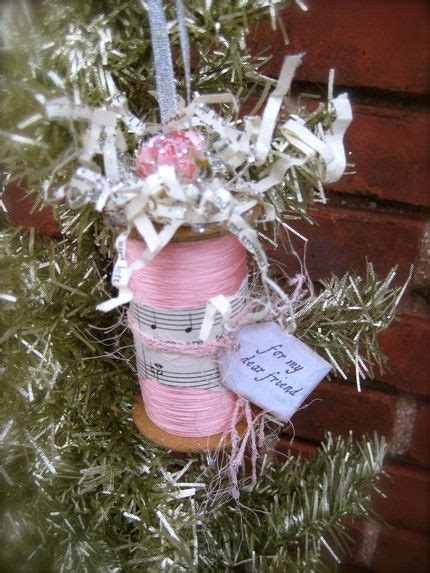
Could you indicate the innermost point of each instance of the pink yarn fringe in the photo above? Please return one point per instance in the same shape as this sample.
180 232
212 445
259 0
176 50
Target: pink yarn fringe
255 432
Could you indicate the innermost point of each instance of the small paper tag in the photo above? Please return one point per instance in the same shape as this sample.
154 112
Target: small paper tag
272 369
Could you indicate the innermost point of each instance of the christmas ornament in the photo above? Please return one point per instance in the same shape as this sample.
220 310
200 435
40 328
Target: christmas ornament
208 172
83 488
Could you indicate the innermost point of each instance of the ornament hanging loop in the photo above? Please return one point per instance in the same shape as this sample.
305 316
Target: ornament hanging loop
163 63
164 76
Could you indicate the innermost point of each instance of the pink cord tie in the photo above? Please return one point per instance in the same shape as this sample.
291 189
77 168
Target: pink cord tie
226 341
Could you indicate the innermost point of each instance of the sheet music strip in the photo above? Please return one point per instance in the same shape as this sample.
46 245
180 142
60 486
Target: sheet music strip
180 371
183 325
180 326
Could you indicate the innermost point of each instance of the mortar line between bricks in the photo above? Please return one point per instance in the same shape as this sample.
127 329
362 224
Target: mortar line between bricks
403 425
374 204
368 543
369 95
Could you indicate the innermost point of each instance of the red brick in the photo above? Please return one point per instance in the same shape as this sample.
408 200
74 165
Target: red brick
407 501
389 167
343 408
420 448
401 551
21 211
407 344
375 44
343 238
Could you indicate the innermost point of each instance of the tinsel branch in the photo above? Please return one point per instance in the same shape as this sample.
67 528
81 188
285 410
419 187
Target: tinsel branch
342 321
82 48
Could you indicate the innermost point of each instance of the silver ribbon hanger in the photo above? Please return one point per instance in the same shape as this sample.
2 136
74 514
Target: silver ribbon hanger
163 62
164 76
185 47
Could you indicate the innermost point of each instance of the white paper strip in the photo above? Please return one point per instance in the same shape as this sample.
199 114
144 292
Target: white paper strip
122 272
334 140
217 304
271 111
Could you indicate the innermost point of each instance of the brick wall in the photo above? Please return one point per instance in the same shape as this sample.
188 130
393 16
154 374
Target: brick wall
379 49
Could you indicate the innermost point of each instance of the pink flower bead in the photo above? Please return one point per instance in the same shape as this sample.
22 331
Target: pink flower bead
184 150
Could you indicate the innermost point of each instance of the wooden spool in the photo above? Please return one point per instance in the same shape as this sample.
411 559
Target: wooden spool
145 426
209 231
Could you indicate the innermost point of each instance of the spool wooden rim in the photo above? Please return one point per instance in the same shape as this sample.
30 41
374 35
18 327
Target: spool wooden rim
178 443
187 233
209 231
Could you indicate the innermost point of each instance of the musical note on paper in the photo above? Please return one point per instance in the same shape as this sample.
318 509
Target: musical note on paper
190 327
156 369
154 324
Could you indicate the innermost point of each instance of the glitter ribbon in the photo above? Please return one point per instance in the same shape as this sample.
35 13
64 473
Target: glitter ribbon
164 76
185 47
164 73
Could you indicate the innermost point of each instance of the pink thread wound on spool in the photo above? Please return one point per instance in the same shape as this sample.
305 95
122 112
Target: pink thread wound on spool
186 275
